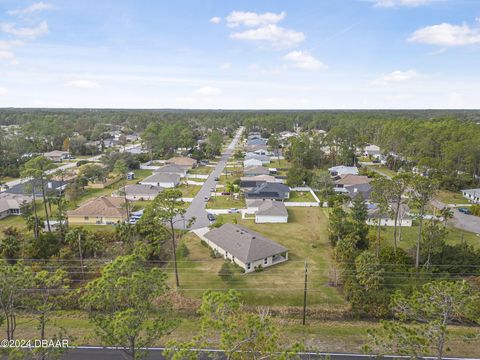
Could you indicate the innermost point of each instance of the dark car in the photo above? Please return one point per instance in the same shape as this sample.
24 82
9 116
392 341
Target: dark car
464 211
211 217
226 193
216 178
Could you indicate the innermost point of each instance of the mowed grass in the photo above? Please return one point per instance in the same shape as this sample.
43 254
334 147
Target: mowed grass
300 196
305 236
410 234
201 170
189 191
225 202
451 197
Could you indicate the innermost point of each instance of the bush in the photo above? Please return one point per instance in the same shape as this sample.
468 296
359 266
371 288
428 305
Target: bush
227 271
82 162
182 251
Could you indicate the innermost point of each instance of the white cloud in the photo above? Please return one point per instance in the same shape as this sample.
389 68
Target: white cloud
5 54
447 35
396 3
397 76
3 91
225 66
252 19
304 60
25 32
273 35
83 84
208 91
39 6
216 20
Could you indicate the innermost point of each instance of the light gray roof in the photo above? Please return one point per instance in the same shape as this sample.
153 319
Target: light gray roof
162 178
272 208
141 189
256 170
171 168
246 245
472 192
13 201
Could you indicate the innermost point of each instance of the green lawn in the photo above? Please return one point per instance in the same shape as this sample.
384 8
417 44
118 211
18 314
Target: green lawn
189 191
409 236
201 170
225 202
318 335
141 174
306 238
229 178
451 197
300 196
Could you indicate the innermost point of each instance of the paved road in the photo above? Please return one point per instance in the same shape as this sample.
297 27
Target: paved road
197 206
112 354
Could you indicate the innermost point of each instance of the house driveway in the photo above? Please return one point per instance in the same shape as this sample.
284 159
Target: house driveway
197 206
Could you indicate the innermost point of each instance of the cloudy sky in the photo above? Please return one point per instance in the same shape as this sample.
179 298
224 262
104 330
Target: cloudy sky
240 54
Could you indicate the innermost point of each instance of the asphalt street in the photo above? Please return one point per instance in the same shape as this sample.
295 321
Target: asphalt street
197 206
98 353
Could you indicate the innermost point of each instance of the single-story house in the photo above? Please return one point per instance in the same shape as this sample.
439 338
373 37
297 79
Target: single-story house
52 188
256 141
12 204
372 150
267 211
262 151
349 179
141 192
472 195
374 214
182 161
254 181
263 158
343 170
172 169
104 210
164 180
361 189
273 191
255 171
57 155
257 148
252 162
245 247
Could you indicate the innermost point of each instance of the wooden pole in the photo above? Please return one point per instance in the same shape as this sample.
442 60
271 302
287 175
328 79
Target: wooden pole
305 295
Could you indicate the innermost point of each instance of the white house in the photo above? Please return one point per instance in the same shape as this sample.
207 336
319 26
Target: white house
267 211
252 162
162 180
135 192
472 195
386 219
372 150
246 248
12 204
343 170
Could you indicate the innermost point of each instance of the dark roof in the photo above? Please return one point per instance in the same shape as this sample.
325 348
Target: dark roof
355 190
268 191
51 187
245 244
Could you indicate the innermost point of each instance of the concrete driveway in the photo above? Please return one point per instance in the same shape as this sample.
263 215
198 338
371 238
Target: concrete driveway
197 206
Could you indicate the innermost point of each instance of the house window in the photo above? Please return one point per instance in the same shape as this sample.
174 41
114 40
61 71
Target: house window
248 266
265 261
85 218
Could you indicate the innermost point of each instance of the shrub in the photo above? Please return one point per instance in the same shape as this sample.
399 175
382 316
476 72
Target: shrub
183 251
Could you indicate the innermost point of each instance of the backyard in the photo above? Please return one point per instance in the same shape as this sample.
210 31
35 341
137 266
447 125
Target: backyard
305 236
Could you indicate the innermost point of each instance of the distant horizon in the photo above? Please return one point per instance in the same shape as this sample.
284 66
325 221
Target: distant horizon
232 109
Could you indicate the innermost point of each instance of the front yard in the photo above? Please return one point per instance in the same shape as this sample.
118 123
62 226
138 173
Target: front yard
305 236
201 170
451 197
189 191
225 202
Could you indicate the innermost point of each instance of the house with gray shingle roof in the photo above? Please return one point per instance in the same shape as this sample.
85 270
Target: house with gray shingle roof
267 211
273 191
164 180
172 169
256 171
136 192
245 247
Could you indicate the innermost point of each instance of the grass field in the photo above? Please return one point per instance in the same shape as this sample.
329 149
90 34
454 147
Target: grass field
318 335
409 236
225 202
384 170
451 197
189 191
201 170
300 196
306 238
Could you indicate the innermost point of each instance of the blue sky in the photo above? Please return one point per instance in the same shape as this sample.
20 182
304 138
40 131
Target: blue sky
256 54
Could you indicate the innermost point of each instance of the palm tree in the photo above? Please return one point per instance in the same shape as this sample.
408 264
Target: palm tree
10 244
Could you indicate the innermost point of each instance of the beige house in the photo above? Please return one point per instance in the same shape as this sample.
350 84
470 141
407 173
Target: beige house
105 210
183 161
57 155
246 248
12 204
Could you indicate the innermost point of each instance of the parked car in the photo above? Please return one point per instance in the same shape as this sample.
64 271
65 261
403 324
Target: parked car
464 211
216 178
206 198
233 211
211 217
226 193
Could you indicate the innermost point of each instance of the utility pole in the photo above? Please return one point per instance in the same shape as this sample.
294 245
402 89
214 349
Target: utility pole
305 295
